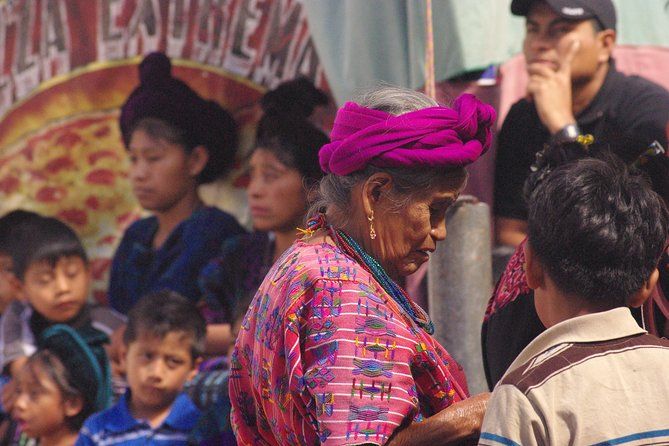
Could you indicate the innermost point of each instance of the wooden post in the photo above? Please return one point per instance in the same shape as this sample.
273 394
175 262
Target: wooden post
430 88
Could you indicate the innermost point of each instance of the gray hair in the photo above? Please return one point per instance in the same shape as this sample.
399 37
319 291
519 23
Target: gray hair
395 100
408 184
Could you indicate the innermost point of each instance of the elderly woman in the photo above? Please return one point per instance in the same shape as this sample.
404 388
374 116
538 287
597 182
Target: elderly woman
332 350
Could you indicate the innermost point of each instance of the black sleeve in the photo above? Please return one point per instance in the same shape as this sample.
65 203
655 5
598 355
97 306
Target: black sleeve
518 141
651 112
639 118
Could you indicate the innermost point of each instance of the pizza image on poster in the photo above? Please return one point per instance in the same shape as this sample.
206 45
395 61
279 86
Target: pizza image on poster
66 68
75 168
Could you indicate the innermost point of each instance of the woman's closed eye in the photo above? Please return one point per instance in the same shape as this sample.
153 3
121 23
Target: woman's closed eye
440 208
153 158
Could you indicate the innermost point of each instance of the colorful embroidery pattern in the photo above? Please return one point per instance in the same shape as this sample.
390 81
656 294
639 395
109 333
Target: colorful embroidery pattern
335 347
512 284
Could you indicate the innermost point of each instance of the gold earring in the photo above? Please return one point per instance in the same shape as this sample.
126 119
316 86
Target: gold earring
372 232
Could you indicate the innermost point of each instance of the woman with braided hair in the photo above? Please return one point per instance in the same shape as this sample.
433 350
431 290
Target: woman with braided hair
176 140
283 170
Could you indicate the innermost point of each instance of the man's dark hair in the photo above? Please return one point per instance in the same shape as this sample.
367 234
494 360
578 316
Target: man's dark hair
598 229
43 239
163 312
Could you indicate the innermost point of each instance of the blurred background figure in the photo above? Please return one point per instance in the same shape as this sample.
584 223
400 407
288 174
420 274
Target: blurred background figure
176 141
283 173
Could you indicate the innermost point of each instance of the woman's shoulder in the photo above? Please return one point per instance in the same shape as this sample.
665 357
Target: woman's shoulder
141 227
244 244
213 221
212 214
319 261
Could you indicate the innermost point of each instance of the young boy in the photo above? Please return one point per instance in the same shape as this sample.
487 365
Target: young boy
596 232
53 280
165 343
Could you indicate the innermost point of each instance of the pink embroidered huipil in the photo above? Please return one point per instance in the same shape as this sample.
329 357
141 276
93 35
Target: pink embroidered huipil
325 356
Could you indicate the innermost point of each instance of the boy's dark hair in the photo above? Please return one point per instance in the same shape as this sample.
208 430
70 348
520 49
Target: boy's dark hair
598 229
10 224
43 239
166 311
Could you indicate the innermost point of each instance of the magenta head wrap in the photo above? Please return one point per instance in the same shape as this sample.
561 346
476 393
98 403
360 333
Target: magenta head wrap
430 137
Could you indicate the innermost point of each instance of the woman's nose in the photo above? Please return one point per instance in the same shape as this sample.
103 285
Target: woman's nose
255 188
138 170
438 232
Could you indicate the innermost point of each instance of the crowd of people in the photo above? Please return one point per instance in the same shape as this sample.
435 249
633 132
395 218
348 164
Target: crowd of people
300 332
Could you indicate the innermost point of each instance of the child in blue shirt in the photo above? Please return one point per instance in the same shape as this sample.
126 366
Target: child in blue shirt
164 342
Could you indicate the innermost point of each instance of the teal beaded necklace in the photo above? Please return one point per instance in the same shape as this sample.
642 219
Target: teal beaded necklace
347 244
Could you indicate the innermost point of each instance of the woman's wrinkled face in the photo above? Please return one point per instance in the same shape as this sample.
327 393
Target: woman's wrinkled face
406 237
277 197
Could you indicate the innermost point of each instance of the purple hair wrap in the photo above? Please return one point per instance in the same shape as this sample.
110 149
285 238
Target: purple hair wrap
430 137
162 96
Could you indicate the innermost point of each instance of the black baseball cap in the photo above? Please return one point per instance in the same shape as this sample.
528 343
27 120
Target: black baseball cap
601 10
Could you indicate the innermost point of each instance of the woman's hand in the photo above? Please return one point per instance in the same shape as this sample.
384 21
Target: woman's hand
458 422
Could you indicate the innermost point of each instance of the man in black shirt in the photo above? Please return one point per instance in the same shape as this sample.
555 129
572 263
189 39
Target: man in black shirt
573 89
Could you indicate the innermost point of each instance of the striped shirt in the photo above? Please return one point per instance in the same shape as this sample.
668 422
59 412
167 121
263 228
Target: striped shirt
593 379
326 356
117 426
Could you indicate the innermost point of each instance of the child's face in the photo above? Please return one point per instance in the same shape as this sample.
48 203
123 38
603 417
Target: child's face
57 292
157 369
8 282
40 408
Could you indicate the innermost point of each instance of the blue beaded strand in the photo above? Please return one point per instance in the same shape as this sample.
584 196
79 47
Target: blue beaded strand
388 284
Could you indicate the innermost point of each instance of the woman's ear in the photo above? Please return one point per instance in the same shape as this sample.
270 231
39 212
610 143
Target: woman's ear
312 192
197 160
374 189
73 406
534 270
638 298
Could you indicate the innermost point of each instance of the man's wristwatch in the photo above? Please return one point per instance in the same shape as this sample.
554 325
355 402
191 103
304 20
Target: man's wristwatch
568 133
